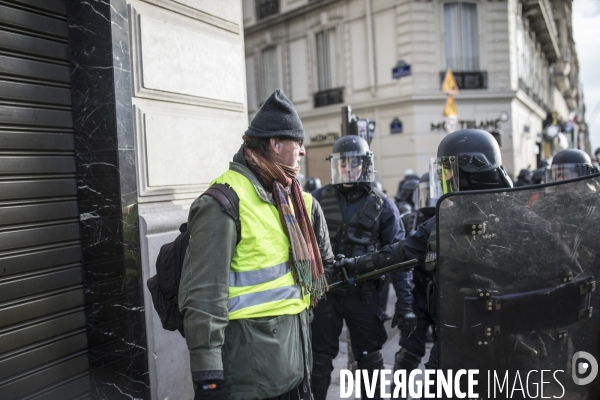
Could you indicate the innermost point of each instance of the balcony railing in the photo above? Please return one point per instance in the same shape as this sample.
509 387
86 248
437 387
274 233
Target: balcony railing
266 8
468 80
328 97
541 21
543 100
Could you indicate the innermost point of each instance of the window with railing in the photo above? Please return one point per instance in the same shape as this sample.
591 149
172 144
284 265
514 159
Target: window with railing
327 70
266 8
326 59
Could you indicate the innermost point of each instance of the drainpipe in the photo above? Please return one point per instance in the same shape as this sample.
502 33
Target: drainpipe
371 48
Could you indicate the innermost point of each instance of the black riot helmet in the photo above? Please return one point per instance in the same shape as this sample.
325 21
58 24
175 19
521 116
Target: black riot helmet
351 161
407 188
312 184
569 164
468 159
539 174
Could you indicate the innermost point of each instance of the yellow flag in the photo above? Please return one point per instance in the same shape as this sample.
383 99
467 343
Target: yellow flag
449 85
450 108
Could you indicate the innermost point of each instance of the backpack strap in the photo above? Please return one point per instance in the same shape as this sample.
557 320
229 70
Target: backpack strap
230 203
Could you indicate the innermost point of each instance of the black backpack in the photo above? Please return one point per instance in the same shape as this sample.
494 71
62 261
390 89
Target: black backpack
164 286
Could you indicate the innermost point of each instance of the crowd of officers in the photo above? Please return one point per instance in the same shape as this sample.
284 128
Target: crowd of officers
415 217
352 219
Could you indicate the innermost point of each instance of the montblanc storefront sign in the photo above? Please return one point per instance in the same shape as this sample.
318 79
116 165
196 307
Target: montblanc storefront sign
324 138
469 124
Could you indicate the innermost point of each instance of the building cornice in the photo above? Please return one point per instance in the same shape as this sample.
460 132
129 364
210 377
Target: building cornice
416 98
279 18
528 102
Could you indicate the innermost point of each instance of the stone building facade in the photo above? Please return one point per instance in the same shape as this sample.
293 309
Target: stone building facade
510 58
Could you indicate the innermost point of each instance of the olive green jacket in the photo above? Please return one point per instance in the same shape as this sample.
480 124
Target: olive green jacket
258 358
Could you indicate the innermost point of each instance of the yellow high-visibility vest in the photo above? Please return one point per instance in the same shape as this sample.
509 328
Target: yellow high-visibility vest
260 279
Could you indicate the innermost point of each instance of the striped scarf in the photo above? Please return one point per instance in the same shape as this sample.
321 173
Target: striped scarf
307 267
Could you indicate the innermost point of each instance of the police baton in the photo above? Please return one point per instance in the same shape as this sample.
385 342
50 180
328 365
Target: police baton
372 275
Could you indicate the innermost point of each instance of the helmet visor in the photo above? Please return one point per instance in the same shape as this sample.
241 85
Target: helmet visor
351 167
443 176
423 198
562 172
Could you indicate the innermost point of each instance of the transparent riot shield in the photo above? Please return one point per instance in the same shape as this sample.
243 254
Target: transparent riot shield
516 280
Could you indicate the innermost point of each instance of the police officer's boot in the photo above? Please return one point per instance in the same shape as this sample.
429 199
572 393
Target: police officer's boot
371 362
321 375
406 360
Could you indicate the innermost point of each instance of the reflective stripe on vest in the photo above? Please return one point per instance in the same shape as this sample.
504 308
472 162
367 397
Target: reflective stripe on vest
266 296
250 278
260 282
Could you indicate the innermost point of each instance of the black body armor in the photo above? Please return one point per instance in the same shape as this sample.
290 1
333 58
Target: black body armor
359 235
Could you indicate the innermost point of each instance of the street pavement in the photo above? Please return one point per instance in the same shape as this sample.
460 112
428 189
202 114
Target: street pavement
389 350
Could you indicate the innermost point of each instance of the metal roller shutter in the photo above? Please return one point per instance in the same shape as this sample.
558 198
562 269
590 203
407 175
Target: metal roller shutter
43 342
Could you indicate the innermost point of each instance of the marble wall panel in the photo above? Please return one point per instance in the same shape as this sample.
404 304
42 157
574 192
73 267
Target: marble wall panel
107 191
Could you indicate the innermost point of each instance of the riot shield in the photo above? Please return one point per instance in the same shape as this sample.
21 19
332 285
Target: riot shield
516 278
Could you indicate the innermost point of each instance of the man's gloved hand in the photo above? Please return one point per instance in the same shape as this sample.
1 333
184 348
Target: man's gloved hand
354 266
210 390
341 262
405 318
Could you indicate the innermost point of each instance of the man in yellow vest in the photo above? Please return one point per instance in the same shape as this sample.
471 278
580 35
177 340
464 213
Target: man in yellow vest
245 299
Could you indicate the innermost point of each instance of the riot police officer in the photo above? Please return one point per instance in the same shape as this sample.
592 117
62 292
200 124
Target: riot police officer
524 178
490 277
406 187
360 220
412 349
423 206
424 203
538 175
312 184
569 164
466 160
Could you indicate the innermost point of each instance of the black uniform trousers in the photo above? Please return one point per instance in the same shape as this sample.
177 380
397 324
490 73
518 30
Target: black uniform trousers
300 392
367 331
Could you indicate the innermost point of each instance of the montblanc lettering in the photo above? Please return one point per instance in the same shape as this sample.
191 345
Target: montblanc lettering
320 138
469 124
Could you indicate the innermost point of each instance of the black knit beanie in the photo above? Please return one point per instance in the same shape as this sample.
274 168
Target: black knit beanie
277 118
